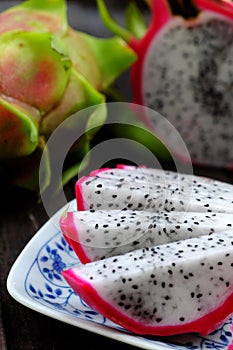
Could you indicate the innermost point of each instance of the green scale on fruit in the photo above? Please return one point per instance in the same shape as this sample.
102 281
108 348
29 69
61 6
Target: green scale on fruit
48 72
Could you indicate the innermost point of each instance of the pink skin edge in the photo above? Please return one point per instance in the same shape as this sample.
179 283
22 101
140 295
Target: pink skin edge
129 167
160 16
118 166
78 193
71 235
96 172
204 325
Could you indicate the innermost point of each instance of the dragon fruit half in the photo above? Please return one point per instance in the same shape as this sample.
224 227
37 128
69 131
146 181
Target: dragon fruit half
184 71
163 268
48 71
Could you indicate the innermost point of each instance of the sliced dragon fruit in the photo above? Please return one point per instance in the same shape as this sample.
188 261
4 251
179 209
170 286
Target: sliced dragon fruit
180 287
100 234
156 175
184 71
112 192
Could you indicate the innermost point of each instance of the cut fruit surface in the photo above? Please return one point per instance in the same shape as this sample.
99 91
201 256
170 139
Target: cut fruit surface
100 234
156 248
180 287
122 192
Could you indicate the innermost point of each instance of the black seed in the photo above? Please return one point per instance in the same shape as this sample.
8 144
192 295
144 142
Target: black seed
127 307
135 286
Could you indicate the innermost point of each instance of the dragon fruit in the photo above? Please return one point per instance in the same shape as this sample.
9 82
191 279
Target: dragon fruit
153 270
160 191
48 71
184 71
100 234
179 287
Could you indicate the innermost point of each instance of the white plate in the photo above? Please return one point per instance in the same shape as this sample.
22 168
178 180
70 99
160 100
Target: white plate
35 280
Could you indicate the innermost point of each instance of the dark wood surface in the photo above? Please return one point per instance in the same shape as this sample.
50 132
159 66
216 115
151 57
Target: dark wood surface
20 217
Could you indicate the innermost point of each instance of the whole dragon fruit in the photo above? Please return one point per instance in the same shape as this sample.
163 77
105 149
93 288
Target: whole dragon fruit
153 270
48 71
184 71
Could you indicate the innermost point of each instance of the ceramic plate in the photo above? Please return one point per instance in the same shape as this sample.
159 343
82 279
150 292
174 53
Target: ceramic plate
35 280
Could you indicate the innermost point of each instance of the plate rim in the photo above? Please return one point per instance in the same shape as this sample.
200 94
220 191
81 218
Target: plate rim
13 288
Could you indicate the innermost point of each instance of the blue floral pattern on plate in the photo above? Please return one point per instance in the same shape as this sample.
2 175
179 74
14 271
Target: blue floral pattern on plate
42 288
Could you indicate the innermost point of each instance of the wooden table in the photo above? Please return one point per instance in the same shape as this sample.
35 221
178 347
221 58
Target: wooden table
20 218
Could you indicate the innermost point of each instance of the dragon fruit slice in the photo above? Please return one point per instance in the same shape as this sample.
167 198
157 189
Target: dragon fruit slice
48 72
104 193
100 234
180 287
184 71
156 175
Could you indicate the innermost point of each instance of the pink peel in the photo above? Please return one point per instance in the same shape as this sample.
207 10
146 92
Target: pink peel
96 172
72 237
79 195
